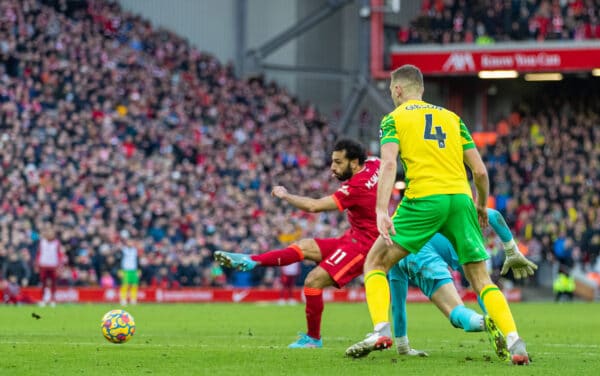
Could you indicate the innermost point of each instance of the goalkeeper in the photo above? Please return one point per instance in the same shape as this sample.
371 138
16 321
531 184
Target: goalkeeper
428 270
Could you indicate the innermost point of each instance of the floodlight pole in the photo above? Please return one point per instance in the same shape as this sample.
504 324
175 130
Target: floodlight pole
252 60
363 84
361 80
257 55
240 36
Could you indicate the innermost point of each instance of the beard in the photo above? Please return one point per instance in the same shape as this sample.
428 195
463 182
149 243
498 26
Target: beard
345 175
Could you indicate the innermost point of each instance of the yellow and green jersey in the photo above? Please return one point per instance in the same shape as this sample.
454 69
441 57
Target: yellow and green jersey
431 141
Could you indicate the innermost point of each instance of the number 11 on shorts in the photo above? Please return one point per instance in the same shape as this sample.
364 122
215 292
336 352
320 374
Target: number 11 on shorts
336 257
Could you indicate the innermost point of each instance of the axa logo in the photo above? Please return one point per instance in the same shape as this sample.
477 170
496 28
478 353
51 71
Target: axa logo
459 61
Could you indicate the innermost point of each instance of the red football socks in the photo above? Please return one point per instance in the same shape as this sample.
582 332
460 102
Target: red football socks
280 257
314 311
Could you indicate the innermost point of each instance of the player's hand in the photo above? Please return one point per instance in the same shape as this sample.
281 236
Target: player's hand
482 215
279 191
519 264
385 226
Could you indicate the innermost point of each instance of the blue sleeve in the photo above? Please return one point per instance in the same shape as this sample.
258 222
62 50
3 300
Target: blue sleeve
399 291
499 225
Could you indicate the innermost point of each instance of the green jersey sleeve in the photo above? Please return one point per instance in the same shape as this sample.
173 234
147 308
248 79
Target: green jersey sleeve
467 140
387 131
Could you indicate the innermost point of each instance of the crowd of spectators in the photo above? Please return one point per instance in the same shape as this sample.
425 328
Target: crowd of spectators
489 21
545 177
108 124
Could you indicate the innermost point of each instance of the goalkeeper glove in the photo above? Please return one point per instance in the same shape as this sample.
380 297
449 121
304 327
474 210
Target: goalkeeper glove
514 260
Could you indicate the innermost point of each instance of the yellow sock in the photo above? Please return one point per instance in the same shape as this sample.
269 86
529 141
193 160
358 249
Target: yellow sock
123 292
133 293
498 309
377 291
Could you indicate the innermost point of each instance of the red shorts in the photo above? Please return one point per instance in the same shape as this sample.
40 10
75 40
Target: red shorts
288 280
343 258
48 273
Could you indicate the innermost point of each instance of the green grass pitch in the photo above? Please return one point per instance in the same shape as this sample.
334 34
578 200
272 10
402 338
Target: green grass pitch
252 339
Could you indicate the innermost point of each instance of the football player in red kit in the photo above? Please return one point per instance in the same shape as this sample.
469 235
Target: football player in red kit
339 260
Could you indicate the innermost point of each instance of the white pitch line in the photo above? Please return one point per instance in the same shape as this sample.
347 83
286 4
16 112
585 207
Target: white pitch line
166 345
470 342
100 343
451 349
570 345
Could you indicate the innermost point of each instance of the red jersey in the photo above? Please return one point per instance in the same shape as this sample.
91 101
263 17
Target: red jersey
358 196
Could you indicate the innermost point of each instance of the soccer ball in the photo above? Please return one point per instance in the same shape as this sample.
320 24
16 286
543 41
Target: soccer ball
118 326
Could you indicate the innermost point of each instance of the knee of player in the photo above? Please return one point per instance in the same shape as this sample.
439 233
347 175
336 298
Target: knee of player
317 278
309 249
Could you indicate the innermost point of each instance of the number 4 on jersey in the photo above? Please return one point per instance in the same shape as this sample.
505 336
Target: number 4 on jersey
439 134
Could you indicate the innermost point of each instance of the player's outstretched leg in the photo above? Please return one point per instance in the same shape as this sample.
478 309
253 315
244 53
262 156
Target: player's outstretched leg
305 341
518 353
373 341
499 310
496 338
235 260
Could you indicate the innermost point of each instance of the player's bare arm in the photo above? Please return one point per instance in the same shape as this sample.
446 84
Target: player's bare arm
387 178
482 184
308 204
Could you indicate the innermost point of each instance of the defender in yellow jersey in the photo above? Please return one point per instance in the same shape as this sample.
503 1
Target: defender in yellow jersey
432 140
433 144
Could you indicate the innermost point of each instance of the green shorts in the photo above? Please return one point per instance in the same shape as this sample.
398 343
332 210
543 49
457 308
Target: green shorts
454 216
130 277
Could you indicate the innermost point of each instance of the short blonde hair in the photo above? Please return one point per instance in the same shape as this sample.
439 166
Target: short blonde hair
408 74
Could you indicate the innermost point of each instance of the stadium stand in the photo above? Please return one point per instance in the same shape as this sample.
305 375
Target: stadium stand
544 177
484 22
109 124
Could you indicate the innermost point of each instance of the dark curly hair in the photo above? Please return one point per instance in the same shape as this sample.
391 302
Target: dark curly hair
353 148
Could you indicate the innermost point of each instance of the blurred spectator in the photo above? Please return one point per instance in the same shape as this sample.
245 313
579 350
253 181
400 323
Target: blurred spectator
289 275
129 272
217 276
496 251
49 260
186 274
106 280
11 292
563 286
15 269
484 22
563 249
